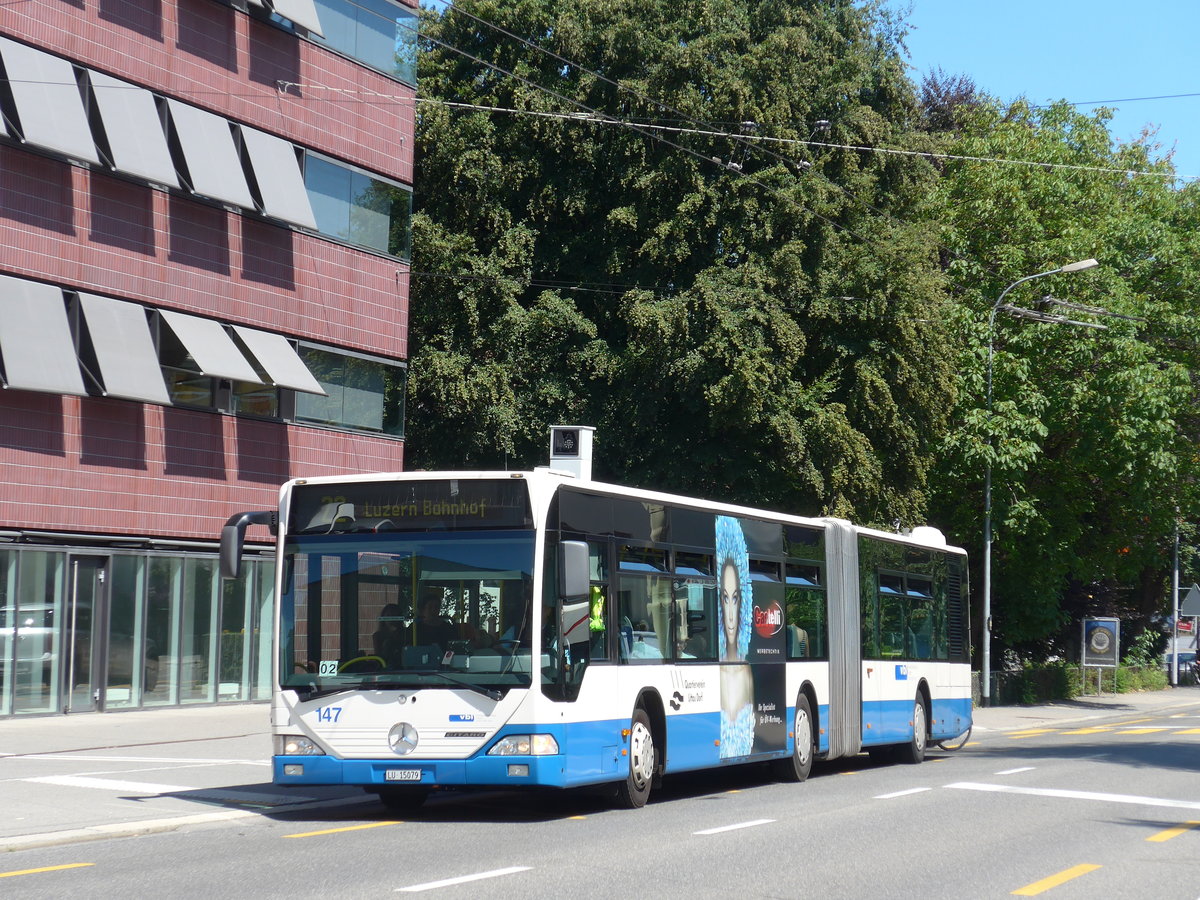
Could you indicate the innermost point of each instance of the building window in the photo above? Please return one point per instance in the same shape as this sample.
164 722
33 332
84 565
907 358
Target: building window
187 385
363 394
260 400
377 33
360 209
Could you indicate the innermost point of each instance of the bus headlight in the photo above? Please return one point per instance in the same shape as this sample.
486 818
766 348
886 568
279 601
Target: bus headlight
525 745
295 745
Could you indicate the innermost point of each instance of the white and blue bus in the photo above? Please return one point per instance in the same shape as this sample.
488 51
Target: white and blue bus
505 629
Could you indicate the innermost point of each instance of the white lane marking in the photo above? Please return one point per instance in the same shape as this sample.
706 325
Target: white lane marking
1015 771
151 826
463 879
1076 795
141 770
208 795
902 793
110 784
735 827
157 759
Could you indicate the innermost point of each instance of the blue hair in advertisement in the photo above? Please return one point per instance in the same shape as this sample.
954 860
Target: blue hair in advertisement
733 639
733 574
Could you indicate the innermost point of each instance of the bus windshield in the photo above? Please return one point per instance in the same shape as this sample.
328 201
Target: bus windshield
382 611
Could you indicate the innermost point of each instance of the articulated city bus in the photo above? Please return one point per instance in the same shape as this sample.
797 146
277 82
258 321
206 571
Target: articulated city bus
506 629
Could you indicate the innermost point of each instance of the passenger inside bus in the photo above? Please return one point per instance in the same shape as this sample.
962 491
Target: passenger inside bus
797 641
389 636
431 627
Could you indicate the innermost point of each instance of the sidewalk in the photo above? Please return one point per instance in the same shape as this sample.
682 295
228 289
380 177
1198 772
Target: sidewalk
66 779
1065 712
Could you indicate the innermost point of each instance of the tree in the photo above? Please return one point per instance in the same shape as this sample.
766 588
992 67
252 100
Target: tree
1092 431
754 322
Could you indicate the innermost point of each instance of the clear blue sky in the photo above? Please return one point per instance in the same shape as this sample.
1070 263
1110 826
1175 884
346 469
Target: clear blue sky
1074 50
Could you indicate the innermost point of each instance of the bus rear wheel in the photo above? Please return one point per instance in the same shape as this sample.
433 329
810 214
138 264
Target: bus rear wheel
634 791
914 751
796 767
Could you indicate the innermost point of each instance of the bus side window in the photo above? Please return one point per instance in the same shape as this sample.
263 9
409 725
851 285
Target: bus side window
919 589
696 606
644 613
806 612
893 615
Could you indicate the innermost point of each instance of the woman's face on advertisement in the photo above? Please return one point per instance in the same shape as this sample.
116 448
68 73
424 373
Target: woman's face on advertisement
730 600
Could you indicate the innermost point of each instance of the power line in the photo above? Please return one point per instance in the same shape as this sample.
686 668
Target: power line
1121 100
724 164
752 138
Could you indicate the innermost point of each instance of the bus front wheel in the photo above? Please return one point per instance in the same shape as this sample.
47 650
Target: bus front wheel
796 767
634 791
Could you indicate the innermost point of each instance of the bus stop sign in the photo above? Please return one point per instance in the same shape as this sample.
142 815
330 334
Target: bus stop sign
1101 642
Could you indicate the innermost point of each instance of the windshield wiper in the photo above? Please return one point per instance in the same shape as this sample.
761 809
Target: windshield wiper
479 689
312 692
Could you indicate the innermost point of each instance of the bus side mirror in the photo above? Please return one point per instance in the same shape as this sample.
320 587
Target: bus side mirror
573 569
233 537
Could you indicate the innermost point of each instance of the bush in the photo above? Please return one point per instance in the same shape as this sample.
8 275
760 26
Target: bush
1043 682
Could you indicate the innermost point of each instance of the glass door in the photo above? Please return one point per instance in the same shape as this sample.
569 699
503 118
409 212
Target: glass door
87 610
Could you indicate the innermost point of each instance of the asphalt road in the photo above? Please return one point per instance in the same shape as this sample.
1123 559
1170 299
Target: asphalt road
1109 808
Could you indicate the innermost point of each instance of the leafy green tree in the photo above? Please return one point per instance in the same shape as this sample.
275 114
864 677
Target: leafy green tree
1092 432
761 322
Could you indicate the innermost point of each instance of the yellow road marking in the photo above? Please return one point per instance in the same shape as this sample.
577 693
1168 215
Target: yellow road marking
1038 887
1096 729
338 830
1190 731
1130 722
46 869
1142 730
1029 732
577 817
1172 832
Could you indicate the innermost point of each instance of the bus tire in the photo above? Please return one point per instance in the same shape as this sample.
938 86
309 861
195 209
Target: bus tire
402 799
796 767
914 751
634 791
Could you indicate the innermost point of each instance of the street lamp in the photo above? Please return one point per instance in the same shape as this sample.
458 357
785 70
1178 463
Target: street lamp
986 686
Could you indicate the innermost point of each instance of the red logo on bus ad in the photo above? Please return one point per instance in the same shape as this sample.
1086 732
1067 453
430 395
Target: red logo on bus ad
768 622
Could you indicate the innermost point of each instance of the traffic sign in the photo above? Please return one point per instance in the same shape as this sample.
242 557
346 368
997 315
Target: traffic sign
1191 603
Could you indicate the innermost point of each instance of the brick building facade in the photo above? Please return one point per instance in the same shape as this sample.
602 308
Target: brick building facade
272 303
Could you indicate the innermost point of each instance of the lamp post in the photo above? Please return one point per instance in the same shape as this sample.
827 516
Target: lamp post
986 674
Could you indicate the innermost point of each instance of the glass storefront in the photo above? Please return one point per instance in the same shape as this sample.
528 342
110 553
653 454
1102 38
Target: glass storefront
90 629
